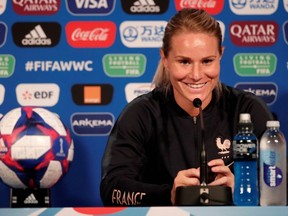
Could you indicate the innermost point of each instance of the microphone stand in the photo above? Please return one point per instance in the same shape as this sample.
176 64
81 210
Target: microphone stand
204 194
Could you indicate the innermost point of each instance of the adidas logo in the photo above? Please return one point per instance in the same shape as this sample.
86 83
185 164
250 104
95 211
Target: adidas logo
144 6
31 199
36 36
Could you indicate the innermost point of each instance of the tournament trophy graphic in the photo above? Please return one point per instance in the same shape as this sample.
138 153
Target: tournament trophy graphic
36 150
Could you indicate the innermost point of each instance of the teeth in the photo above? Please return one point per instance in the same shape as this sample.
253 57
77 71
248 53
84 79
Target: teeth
196 85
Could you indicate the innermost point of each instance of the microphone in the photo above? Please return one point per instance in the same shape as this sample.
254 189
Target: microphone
203 194
203 156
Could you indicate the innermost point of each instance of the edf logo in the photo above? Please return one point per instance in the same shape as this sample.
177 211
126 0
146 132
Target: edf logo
44 94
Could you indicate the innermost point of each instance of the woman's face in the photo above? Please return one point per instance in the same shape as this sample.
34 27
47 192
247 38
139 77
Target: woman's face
193 64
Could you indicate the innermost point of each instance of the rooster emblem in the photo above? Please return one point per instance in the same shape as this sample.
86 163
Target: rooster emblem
224 147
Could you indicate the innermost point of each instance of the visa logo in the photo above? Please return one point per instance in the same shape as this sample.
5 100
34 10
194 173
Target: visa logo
93 7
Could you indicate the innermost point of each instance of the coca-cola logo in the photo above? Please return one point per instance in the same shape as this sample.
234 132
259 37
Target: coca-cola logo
211 6
254 33
90 34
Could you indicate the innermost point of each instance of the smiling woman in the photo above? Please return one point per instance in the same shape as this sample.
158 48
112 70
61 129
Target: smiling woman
154 147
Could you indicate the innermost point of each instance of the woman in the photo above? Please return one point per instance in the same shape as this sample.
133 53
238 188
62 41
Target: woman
153 147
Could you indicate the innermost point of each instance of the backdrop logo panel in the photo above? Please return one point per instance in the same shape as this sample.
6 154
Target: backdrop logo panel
133 90
2 95
142 33
92 94
145 6
124 65
36 34
42 94
3 4
3 33
285 31
90 7
92 124
253 7
36 7
211 6
267 91
254 33
7 65
90 34
255 64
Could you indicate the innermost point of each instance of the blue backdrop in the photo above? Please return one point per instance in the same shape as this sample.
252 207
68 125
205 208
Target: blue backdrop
86 59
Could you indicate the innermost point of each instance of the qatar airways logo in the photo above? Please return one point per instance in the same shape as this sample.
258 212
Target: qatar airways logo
254 33
90 34
36 7
211 6
253 7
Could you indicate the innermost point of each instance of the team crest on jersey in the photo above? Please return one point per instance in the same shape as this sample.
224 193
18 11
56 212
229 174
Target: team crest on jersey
223 146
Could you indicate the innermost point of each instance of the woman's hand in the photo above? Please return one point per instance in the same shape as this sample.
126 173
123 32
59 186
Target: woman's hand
187 177
224 176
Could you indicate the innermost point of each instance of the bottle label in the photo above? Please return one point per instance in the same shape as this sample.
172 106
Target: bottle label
244 150
272 175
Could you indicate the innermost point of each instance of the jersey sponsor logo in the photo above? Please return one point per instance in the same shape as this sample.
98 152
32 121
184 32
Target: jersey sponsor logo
267 91
7 65
285 31
36 7
3 33
92 94
253 7
91 34
41 94
124 65
254 33
90 7
255 64
3 4
36 34
145 34
145 6
92 124
211 6
2 95
133 90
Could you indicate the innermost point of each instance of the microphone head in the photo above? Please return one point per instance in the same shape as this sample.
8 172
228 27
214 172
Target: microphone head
197 102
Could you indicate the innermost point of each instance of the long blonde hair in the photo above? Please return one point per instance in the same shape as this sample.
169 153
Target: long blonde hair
186 20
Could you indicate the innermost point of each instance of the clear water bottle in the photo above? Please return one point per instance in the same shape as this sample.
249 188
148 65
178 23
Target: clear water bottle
273 166
245 153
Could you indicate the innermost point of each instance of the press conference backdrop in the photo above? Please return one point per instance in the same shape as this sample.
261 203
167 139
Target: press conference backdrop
86 59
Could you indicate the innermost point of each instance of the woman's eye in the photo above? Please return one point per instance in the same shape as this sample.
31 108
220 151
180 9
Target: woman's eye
207 61
184 62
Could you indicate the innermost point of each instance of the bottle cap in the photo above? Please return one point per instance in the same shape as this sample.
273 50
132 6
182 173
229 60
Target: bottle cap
245 118
273 123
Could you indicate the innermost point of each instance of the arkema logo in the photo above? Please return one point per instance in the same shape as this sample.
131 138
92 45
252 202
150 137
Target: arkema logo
36 34
142 33
267 91
92 124
254 33
91 34
211 6
42 94
90 7
36 7
145 6
248 7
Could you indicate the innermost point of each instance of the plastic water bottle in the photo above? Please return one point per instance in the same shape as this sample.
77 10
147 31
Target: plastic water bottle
245 153
273 166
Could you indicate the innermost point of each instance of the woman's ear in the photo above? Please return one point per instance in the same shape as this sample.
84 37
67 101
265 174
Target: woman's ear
163 58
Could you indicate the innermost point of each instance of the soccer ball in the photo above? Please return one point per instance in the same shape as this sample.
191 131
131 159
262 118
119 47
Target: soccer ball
36 148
